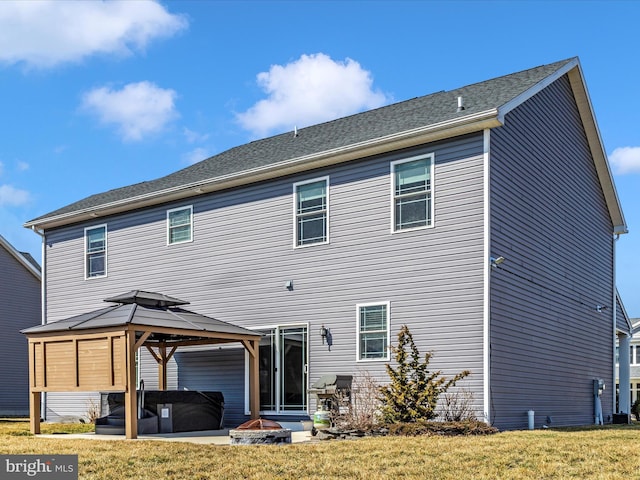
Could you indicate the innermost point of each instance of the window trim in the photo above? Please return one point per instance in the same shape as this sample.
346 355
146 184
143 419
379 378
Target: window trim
387 357
177 209
431 224
327 183
86 252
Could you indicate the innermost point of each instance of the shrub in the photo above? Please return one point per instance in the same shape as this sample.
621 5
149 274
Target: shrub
457 406
358 408
635 408
413 392
93 411
466 427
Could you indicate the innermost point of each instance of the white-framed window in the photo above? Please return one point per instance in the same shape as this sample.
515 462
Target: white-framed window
373 331
95 251
311 212
180 225
412 193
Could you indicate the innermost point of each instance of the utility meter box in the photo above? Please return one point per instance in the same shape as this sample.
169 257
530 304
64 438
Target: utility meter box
598 386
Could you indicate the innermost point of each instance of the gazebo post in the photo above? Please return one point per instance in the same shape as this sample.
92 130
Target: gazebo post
254 377
130 395
34 412
162 368
34 396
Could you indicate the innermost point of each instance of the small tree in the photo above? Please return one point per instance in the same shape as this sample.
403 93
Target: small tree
413 392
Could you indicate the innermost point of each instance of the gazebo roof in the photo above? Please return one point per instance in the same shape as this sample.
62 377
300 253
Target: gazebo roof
149 311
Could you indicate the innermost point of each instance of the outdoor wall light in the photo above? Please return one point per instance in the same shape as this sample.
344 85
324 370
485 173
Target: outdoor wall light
289 285
323 333
496 261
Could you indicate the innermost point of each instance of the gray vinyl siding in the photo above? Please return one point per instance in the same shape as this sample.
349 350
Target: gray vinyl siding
550 221
20 301
219 370
242 254
70 406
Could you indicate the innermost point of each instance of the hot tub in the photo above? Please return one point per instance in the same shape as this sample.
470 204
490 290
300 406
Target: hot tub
169 410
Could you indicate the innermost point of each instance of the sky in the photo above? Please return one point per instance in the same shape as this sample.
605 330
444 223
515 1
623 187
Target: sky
96 95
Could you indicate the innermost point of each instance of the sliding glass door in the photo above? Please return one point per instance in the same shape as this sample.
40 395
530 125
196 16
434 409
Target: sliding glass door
283 369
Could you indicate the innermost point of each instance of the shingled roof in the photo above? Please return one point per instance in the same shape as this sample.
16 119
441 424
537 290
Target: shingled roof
347 138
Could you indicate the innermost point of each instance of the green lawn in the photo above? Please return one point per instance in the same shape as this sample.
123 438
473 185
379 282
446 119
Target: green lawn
608 452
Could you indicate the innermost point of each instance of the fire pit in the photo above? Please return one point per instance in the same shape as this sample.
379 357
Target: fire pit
259 432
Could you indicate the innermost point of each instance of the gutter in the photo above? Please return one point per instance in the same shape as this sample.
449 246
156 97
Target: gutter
409 138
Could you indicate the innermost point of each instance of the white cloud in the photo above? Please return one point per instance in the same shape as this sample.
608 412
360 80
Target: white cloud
1 168
46 33
22 166
193 137
9 195
138 109
310 90
625 160
195 155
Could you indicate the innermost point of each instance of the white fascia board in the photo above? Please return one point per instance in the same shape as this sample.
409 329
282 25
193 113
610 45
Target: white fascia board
596 145
18 256
438 131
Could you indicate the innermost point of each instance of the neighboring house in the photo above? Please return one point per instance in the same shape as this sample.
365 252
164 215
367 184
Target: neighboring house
633 361
484 218
20 297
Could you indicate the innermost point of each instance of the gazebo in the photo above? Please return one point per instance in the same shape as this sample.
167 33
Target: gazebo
96 351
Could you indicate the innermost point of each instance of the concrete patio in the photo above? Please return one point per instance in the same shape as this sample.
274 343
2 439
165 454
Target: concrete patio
208 437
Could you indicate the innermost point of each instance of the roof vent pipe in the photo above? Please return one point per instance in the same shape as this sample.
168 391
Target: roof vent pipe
460 104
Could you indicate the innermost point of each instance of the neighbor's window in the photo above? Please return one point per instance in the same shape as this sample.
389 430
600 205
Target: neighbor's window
373 331
179 225
95 251
412 193
311 204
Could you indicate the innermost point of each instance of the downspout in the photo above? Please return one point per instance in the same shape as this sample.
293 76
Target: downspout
43 303
614 316
486 327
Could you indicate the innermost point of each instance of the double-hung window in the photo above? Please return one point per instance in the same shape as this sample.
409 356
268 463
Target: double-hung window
373 331
179 225
95 248
311 211
412 193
